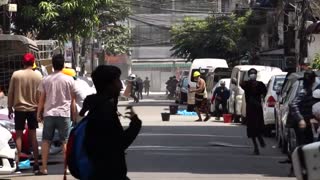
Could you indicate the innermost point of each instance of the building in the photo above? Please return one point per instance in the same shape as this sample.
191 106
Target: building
150 28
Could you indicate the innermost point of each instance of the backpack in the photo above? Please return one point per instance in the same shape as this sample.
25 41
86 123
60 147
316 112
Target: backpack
77 160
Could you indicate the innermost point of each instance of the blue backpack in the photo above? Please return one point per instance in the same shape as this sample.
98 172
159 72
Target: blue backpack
77 161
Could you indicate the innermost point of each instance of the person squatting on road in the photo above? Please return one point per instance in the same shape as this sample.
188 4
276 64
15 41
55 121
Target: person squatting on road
200 97
220 97
55 109
23 98
104 126
254 91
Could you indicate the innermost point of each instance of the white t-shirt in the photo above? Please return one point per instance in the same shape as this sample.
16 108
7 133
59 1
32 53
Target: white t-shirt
59 89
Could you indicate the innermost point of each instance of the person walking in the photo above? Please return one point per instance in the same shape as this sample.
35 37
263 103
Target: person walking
104 126
82 90
220 98
201 95
23 100
56 108
254 92
134 87
146 83
140 87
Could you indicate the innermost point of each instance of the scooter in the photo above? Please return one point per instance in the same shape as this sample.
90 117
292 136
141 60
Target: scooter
8 152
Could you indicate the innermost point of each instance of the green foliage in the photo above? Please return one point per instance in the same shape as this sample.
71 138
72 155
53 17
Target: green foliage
316 62
75 19
216 37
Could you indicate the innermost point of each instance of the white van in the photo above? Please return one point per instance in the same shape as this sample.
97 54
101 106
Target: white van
205 66
239 74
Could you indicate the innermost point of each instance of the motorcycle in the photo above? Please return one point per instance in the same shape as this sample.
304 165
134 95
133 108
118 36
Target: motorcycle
8 152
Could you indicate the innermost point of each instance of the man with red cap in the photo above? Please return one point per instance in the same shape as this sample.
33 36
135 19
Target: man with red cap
23 100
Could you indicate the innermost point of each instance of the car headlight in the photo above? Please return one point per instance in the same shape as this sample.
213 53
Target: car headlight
8 125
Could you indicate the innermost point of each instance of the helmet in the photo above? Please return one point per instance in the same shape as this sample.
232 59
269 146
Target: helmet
34 65
316 93
132 76
69 72
196 74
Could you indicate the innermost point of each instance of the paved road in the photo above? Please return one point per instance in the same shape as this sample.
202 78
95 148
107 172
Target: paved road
186 150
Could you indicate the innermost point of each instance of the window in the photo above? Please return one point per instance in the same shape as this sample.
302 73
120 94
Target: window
278 82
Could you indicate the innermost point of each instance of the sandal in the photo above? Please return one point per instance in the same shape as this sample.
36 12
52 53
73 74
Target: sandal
199 120
39 173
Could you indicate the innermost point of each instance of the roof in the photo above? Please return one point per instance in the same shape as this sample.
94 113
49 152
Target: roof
209 63
20 38
257 67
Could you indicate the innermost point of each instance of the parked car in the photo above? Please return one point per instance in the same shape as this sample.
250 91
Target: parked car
285 134
239 74
8 151
182 90
212 105
270 100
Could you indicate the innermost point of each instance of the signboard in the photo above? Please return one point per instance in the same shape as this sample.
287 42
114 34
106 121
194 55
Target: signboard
12 8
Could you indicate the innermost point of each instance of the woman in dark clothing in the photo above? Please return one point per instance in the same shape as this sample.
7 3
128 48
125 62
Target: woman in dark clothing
254 92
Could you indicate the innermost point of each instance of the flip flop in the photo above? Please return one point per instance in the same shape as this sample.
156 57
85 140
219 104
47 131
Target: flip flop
199 120
39 173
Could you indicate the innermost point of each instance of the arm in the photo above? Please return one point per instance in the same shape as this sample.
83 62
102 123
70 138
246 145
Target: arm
132 131
73 107
10 97
85 108
263 90
294 107
42 100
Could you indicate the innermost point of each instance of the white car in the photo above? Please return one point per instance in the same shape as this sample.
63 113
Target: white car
8 152
212 105
270 100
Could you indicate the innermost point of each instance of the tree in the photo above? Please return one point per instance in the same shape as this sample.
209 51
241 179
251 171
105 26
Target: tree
75 19
216 37
114 32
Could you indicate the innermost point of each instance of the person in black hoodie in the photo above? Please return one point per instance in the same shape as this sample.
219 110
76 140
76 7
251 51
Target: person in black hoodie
104 128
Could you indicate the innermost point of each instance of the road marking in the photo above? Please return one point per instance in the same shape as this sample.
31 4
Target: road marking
192 135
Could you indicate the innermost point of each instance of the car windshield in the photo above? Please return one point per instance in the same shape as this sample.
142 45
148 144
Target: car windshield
278 82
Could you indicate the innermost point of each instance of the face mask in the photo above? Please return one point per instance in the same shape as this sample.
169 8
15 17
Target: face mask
252 76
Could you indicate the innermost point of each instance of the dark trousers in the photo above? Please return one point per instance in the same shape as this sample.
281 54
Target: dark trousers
217 109
147 90
140 94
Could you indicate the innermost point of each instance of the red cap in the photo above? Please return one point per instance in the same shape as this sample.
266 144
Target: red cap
28 58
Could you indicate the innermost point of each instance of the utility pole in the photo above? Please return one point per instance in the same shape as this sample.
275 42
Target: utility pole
303 46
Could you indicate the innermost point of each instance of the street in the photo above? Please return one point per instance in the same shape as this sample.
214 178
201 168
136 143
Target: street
183 149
